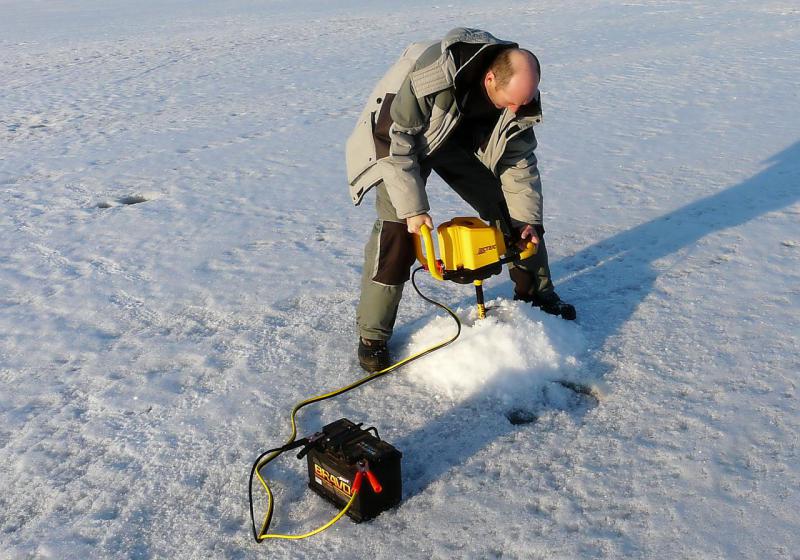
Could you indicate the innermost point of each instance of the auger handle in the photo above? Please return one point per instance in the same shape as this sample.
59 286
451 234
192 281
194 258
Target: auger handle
428 258
529 250
514 257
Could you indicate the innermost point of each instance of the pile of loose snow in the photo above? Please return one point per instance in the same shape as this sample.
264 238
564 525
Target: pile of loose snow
512 352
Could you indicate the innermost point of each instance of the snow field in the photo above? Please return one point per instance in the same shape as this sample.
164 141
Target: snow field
179 262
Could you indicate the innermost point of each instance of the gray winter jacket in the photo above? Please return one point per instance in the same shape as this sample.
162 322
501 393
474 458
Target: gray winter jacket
414 108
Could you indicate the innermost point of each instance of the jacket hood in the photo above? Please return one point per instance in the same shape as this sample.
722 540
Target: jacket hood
471 51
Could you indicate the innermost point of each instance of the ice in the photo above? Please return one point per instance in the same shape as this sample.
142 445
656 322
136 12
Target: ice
180 261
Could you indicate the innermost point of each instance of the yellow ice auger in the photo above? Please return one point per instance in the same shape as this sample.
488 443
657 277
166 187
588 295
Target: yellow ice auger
471 251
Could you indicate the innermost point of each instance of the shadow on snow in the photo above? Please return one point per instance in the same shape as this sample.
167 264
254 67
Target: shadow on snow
622 267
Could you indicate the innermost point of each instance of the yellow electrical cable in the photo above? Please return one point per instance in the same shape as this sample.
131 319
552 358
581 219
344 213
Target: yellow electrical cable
297 407
318 529
262 461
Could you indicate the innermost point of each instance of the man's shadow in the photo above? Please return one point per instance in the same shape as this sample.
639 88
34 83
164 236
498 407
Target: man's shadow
614 276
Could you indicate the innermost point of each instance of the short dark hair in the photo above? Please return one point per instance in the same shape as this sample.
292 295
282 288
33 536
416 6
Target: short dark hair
501 66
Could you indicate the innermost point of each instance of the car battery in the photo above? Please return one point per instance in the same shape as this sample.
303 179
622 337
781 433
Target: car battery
333 462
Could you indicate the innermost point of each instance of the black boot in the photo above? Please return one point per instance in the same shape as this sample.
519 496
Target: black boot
559 308
373 355
552 305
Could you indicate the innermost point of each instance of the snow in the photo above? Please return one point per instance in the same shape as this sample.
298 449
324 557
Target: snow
514 350
179 264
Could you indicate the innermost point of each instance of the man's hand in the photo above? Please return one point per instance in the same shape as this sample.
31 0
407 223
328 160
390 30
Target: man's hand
415 222
528 235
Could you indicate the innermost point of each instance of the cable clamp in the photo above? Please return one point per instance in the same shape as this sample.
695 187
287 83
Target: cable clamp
310 442
363 469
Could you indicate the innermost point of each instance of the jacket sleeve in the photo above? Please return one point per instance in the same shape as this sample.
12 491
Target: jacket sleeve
519 177
400 170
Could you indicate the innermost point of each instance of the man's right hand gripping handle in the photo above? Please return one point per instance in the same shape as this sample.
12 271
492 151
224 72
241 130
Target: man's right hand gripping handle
415 222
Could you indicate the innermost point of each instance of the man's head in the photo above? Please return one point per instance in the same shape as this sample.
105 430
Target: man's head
512 79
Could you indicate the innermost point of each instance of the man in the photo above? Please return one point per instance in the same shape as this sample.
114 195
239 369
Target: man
463 107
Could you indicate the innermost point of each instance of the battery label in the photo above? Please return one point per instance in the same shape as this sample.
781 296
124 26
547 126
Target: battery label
332 480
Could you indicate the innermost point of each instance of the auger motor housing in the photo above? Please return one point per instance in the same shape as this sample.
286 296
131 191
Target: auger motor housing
472 247
471 251
338 453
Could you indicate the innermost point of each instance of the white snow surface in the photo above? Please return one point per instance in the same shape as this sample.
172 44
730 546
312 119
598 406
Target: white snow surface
179 265
506 356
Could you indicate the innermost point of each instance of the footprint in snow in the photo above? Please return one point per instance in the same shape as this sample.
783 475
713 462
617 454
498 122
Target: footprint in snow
132 199
127 200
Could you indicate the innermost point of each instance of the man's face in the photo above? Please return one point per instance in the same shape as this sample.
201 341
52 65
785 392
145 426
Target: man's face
520 90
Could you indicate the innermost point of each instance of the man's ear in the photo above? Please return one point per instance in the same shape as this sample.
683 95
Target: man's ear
489 78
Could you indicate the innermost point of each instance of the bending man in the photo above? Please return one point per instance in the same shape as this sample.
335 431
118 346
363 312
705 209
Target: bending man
465 108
